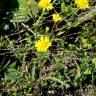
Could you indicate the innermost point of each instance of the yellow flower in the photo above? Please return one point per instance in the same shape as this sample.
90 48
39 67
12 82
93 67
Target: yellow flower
43 44
56 17
82 4
45 5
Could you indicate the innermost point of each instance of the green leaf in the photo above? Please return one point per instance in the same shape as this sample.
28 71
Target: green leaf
85 45
11 74
34 7
87 71
63 83
22 14
84 41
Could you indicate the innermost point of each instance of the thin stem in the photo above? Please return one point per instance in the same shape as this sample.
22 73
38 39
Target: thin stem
18 30
92 83
40 17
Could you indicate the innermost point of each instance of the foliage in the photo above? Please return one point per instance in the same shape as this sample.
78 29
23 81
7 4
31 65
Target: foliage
66 67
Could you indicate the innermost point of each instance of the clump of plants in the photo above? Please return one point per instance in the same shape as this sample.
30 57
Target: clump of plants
47 48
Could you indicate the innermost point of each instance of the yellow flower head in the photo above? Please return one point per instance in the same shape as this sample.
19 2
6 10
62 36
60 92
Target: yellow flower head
82 4
45 5
56 17
43 44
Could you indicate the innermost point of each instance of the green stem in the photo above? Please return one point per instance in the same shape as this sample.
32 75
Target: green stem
40 17
82 19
